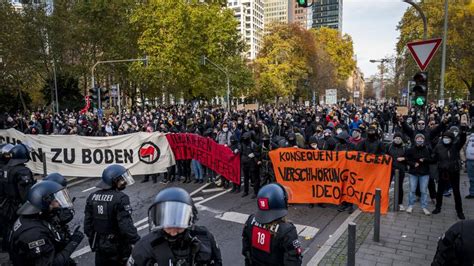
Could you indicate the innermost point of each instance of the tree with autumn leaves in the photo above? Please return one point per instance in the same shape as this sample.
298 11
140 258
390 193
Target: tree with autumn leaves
459 76
295 62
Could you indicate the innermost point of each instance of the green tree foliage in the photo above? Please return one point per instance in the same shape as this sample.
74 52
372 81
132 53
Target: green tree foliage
459 77
175 34
297 62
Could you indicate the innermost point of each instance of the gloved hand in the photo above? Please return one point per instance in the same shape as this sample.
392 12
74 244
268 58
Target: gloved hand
251 155
77 236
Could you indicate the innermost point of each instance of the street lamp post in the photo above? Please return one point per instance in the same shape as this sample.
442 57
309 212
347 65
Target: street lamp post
110 62
381 61
226 73
422 15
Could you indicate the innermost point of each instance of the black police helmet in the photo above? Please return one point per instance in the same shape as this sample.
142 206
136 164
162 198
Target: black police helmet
19 154
172 207
56 177
111 175
39 197
272 202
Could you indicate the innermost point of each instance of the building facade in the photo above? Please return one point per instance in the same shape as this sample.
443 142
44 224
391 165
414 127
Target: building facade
284 12
327 13
250 15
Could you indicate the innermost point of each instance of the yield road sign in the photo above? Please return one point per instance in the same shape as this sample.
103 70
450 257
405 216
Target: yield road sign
423 51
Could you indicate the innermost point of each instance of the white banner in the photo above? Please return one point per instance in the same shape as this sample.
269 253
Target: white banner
78 156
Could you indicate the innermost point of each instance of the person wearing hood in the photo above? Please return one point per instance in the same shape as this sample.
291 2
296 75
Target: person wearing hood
397 151
343 143
249 159
447 155
328 142
372 144
418 157
108 218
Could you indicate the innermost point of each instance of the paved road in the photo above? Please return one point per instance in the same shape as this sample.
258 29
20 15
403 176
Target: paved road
223 213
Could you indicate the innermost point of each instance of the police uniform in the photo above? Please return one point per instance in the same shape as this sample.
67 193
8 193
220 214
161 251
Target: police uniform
174 238
267 239
196 247
271 244
109 226
456 247
15 182
34 240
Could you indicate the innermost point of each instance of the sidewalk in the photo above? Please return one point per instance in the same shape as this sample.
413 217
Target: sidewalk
405 239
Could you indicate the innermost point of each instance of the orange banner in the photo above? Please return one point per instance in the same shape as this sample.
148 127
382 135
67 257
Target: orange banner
316 176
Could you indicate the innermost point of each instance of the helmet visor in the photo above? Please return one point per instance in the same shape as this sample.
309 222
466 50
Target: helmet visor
170 214
128 178
63 199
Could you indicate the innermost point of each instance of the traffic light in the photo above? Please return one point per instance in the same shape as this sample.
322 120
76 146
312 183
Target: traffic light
94 96
303 3
104 95
420 90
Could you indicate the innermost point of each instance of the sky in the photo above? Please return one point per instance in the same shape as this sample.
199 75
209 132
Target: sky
372 25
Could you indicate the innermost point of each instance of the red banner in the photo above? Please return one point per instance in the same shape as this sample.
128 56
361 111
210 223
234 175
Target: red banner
209 153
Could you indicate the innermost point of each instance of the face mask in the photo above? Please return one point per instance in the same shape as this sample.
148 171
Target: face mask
419 142
456 133
225 129
447 141
338 131
420 127
279 123
246 124
314 146
64 215
355 134
327 134
397 141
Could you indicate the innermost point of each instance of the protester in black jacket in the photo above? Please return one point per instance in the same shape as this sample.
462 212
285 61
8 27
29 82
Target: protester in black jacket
418 158
397 150
372 144
449 166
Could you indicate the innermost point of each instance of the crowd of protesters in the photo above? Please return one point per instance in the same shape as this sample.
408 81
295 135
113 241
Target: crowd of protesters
427 145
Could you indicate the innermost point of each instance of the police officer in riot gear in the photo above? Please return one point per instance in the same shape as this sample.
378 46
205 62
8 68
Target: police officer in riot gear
456 246
4 158
108 222
267 238
174 238
61 216
34 240
17 180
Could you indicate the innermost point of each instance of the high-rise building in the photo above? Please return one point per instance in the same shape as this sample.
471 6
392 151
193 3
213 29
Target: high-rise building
327 13
249 14
285 11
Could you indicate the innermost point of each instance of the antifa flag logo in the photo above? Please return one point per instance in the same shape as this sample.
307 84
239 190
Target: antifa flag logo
149 153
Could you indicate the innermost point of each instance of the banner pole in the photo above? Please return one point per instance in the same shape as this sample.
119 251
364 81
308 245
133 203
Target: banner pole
378 192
